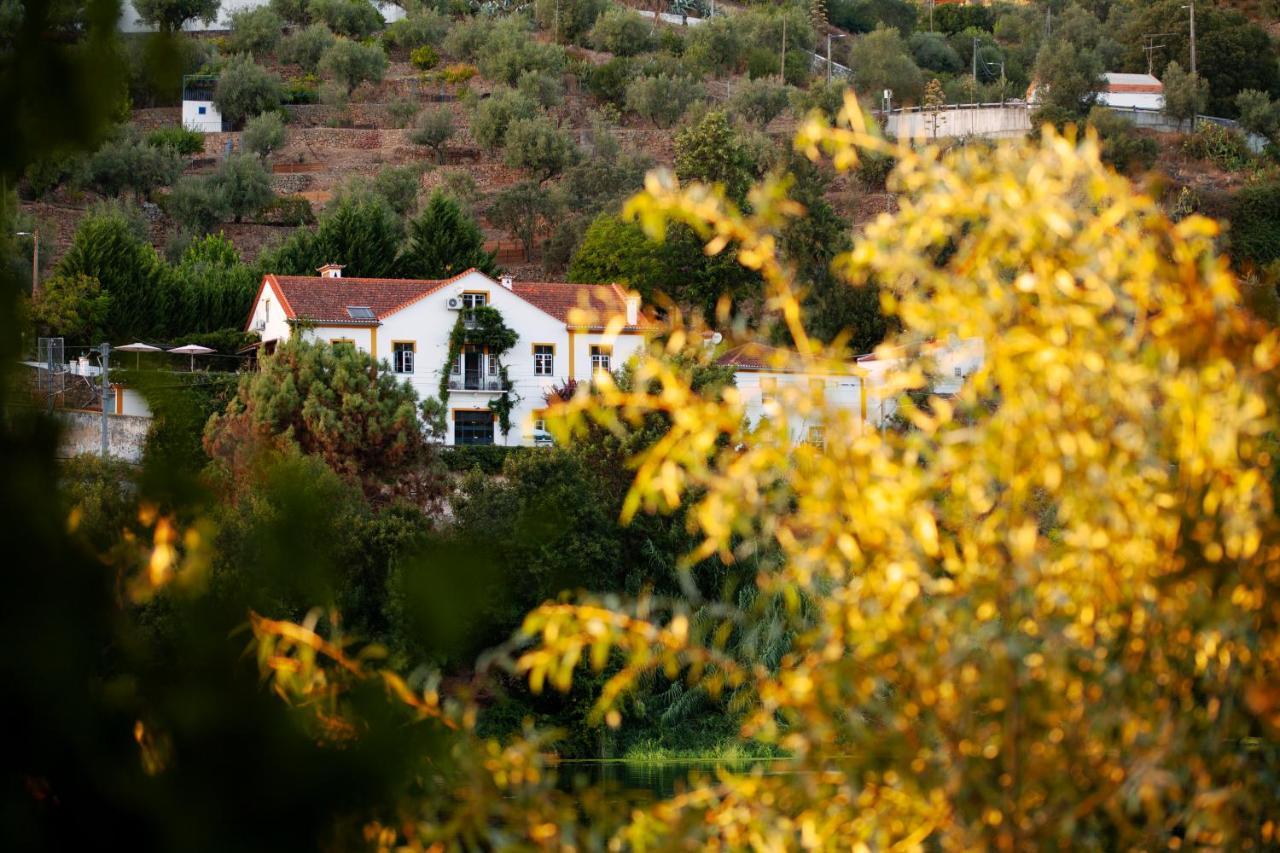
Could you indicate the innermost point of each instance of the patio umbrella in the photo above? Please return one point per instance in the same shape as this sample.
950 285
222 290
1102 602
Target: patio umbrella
139 348
192 350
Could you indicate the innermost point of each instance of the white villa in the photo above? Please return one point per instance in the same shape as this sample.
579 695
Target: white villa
565 332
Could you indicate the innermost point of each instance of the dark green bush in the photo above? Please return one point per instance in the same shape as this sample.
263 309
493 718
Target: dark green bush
301 90
488 458
185 142
1225 148
1255 223
287 210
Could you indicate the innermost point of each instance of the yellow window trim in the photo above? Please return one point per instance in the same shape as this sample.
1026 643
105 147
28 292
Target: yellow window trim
533 348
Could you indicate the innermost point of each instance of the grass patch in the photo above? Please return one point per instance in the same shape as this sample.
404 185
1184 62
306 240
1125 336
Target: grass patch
723 752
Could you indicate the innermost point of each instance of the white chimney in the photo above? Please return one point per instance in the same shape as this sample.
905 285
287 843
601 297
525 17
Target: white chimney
633 309
330 271
506 280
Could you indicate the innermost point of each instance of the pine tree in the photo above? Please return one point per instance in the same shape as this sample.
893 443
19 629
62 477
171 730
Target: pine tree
444 241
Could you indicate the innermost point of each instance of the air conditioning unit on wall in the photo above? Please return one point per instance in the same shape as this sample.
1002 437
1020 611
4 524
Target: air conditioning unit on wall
454 303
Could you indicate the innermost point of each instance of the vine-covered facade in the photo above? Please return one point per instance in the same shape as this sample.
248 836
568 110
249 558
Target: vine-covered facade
485 351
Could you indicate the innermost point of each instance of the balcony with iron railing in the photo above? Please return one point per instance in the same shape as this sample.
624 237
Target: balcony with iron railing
475 380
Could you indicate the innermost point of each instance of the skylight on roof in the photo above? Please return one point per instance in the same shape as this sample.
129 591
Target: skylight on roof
360 312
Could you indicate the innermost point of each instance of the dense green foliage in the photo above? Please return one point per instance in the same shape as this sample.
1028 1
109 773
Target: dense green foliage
1255 223
352 63
245 89
325 401
264 134
255 31
442 241
207 290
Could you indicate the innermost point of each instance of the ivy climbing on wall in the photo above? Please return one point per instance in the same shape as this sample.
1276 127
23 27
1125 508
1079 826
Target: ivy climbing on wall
484 327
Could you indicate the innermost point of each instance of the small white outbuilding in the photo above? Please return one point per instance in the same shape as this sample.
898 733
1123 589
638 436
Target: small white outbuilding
1140 91
198 110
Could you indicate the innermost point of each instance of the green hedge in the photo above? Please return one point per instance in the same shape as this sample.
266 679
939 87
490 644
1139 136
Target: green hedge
1255 223
487 457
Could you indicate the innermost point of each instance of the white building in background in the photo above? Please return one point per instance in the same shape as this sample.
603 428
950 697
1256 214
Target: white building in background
761 374
566 332
1140 91
1125 91
130 23
199 113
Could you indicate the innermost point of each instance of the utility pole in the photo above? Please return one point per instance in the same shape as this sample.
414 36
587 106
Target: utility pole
1192 6
829 37
975 66
782 71
34 234
105 349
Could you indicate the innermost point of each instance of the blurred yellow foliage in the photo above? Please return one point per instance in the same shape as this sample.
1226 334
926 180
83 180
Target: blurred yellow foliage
1043 615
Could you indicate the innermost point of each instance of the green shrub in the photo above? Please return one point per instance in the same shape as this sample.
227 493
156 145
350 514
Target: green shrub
1221 146
351 63
608 82
458 72
662 99
488 458
264 134
255 31
1255 223
197 204
491 117
185 142
402 111
125 162
424 27
760 101
424 57
621 31
292 210
245 89
355 18
434 130
301 90
305 47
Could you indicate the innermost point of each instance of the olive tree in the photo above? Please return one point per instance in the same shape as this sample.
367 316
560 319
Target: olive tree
539 147
351 63
433 129
264 134
245 89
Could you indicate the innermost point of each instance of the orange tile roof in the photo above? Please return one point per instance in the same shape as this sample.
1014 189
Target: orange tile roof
319 299
325 300
598 302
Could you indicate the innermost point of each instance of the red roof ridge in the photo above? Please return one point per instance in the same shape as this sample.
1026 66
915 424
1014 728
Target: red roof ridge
438 283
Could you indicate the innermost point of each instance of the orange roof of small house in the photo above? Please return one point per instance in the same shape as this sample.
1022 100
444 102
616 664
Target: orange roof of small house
583 306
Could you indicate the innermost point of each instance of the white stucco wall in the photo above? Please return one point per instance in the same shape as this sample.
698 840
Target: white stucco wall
268 313
192 119
1140 100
